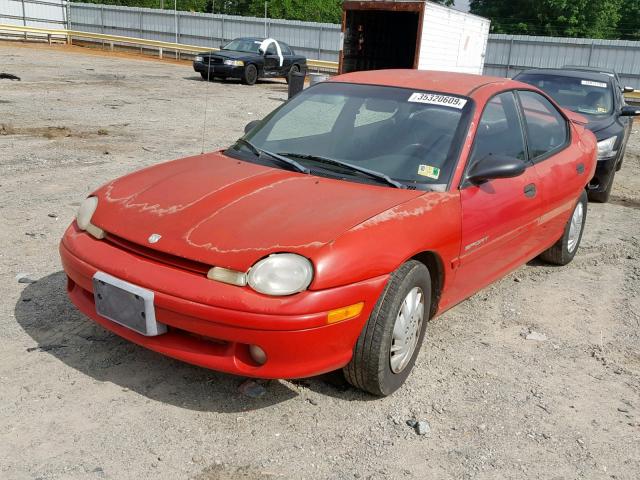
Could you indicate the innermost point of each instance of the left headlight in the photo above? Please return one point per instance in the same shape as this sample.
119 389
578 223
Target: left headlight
84 215
281 274
198 58
234 63
605 148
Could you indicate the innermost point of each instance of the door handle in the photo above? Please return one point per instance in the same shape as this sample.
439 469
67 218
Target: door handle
580 168
530 190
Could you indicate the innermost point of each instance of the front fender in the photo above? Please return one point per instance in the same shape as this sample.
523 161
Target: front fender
382 243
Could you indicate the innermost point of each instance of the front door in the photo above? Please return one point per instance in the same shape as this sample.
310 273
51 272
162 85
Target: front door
499 217
272 60
562 173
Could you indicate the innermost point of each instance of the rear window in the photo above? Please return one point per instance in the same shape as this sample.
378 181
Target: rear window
585 96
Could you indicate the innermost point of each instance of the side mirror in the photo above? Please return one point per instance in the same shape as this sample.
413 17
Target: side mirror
630 111
628 89
221 47
261 51
251 125
495 166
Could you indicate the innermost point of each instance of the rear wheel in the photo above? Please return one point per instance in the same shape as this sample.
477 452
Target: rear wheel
565 249
390 340
250 75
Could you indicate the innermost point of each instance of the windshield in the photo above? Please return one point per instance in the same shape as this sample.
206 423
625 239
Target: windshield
588 97
412 137
243 45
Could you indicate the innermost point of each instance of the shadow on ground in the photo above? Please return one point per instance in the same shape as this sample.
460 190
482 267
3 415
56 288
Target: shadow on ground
58 329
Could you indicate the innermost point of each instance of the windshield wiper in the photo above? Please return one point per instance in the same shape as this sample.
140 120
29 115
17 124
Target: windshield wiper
283 160
330 161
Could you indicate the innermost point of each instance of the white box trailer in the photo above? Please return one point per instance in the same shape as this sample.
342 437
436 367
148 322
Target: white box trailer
379 34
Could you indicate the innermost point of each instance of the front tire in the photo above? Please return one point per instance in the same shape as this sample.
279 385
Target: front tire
250 75
565 249
603 197
205 76
390 340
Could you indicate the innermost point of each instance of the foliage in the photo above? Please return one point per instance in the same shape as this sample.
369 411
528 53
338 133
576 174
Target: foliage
562 18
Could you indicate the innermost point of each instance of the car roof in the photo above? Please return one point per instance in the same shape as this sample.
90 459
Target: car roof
258 39
447 82
607 71
570 72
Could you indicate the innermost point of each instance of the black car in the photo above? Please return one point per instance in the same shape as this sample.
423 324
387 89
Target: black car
250 59
598 96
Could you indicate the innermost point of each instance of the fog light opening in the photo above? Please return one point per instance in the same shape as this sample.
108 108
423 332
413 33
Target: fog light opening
258 355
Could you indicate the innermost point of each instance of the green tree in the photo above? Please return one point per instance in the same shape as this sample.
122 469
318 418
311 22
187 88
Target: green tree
563 18
629 24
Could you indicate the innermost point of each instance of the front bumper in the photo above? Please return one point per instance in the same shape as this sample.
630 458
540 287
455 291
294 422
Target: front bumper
605 168
293 331
218 70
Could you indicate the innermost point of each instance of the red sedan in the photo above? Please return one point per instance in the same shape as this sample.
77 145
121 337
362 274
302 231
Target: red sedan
330 233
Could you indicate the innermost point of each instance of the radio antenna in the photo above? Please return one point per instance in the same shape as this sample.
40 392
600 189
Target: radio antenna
209 87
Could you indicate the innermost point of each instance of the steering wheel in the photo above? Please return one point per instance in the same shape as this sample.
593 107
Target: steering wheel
415 150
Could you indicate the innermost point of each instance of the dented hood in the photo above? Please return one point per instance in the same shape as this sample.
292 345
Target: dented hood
225 212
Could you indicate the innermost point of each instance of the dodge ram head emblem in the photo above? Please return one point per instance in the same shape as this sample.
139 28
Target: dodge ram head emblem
154 238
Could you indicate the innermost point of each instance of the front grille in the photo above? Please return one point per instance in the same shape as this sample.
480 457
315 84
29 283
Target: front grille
213 60
160 257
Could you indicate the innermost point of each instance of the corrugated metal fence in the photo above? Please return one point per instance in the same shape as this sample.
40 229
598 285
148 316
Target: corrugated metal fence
315 40
34 13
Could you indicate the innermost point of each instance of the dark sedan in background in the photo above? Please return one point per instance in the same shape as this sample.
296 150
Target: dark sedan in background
250 59
598 96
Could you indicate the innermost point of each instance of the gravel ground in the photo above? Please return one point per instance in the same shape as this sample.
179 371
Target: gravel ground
77 402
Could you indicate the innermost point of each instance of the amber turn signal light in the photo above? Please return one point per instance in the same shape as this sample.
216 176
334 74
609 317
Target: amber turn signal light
345 313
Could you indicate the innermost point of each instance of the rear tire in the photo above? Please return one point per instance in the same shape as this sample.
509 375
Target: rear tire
565 249
250 74
603 197
390 340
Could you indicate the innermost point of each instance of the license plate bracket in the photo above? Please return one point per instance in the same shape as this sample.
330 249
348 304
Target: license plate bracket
126 304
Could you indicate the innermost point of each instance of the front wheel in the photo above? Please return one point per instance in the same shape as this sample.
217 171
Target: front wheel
565 249
390 340
250 75
603 197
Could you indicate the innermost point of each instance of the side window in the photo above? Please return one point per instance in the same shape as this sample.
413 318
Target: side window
271 49
499 131
374 111
546 128
285 49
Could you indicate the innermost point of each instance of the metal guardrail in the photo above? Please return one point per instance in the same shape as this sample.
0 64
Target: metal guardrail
117 39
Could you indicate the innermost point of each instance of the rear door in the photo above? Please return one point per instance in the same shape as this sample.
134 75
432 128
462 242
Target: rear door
499 217
560 167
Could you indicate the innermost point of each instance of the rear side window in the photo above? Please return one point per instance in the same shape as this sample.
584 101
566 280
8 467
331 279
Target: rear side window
499 132
547 130
286 50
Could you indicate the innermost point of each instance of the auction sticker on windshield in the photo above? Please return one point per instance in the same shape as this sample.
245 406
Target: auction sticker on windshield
437 99
589 83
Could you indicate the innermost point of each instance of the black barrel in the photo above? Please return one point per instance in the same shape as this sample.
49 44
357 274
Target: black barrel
296 83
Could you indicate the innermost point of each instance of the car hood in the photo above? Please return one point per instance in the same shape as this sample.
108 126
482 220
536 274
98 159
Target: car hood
225 212
598 125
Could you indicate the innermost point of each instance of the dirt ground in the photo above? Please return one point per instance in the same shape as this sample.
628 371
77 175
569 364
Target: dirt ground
77 402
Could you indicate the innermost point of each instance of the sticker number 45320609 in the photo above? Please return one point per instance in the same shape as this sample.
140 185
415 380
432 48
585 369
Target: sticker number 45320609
437 99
